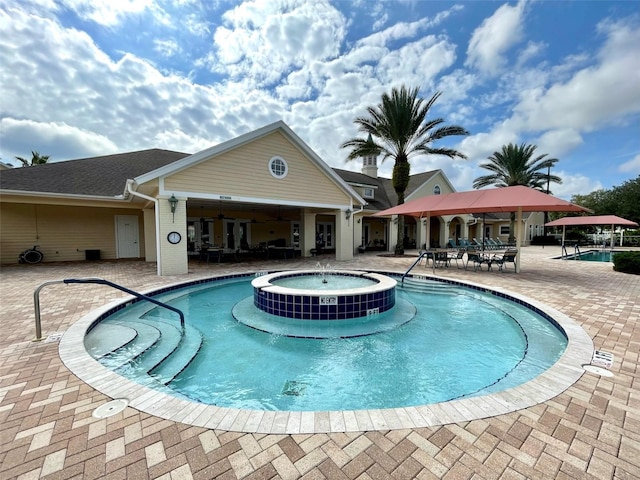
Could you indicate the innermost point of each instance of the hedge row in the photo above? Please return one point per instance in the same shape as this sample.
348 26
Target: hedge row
627 262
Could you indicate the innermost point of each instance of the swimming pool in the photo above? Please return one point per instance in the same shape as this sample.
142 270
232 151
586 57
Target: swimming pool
593 256
406 372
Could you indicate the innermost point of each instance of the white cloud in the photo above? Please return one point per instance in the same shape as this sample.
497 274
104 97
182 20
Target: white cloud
574 184
58 140
494 37
632 166
107 12
265 40
558 142
166 48
594 96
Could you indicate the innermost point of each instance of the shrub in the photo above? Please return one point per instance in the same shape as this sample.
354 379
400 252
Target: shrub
627 262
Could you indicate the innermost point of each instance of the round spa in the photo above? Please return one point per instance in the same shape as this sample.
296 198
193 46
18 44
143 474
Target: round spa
321 304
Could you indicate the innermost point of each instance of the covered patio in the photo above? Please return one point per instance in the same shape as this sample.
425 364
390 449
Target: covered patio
612 220
517 199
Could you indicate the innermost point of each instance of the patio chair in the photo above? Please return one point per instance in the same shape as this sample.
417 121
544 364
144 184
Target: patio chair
499 242
476 243
464 243
458 255
507 257
491 244
441 259
451 243
476 259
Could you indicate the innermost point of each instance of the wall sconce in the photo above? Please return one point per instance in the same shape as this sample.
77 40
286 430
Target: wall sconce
359 220
347 213
395 220
173 203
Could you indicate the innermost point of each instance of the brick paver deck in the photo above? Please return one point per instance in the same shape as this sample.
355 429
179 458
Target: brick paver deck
591 430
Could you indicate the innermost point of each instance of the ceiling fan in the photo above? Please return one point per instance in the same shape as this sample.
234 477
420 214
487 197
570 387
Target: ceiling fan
253 219
279 218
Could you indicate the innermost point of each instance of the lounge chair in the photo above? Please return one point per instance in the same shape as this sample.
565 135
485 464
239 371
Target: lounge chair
451 243
491 244
464 243
476 243
507 257
499 243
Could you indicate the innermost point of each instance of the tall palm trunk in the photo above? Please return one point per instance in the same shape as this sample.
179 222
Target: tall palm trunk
400 180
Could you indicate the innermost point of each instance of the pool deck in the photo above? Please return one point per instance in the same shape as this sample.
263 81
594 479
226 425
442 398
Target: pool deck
590 430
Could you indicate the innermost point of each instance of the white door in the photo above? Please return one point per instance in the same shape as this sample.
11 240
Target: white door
127 236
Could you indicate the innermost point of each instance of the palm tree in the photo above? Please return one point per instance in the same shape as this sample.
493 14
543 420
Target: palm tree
36 159
516 165
401 131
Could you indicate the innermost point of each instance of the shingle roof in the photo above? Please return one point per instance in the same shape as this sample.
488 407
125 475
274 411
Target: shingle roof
106 176
103 176
381 200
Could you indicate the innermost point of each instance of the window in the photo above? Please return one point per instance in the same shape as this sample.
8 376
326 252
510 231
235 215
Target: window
436 190
504 229
278 167
368 192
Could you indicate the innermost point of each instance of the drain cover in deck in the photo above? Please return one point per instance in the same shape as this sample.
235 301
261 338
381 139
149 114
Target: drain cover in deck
111 408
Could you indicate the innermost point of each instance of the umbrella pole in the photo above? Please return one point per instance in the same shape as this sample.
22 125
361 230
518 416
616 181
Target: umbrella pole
518 238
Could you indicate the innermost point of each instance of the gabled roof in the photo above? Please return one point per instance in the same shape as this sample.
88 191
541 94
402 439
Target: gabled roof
380 200
234 143
104 176
385 195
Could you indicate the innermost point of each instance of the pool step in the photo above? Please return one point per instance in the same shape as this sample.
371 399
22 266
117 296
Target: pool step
152 350
105 338
172 365
166 346
146 337
414 284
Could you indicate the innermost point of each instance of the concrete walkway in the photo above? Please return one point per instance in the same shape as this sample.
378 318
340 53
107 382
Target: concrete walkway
591 430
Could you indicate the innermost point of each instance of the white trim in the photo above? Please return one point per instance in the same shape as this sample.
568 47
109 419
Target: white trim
68 196
256 200
273 160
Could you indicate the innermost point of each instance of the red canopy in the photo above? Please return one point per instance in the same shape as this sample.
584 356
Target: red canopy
592 220
506 199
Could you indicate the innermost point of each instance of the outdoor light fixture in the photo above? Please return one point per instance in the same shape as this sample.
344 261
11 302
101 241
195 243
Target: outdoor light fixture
347 213
173 202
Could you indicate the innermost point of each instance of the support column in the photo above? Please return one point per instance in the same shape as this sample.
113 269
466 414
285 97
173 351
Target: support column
150 244
344 236
172 258
308 241
393 234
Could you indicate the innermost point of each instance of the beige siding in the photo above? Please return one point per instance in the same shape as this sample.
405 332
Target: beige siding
62 232
429 185
244 172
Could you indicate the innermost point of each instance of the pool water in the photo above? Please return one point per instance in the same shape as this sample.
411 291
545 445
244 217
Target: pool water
594 256
462 342
323 282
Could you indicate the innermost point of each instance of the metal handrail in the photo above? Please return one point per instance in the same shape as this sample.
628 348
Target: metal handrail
99 281
422 255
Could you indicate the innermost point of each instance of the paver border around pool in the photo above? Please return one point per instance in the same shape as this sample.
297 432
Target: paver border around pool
564 373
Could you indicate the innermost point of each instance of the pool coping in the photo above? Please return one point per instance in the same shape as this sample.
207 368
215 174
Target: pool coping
555 380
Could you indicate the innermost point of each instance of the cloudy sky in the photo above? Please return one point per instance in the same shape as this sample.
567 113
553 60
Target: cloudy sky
82 78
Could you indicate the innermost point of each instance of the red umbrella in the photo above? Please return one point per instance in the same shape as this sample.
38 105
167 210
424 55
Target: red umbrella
612 220
506 199
491 200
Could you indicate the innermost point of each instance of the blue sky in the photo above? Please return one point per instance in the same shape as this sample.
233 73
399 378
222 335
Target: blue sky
83 78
